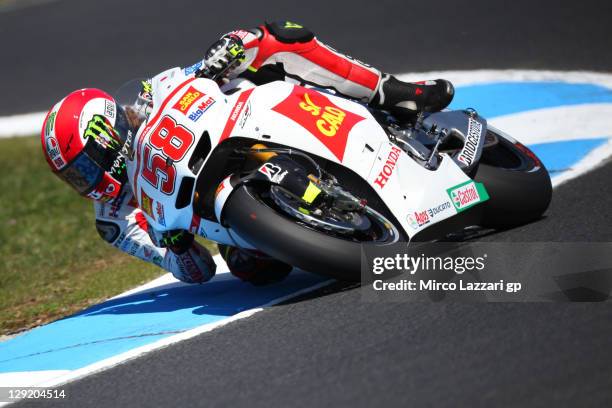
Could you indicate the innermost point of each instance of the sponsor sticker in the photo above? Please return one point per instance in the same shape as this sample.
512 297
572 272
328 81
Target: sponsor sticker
110 188
246 115
273 172
439 209
59 162
189 266
134 248
418 219
186 101
115 205
54 153
159 210
119 242
466 195
157 260
330 117
148 251
51 143
106 189
236 110
50 123
472 139
125 244
95 195
146 203
109 109
202 107
192 68
104 192
388 168
317 114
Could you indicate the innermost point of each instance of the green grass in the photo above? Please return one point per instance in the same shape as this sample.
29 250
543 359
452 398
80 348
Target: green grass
52 261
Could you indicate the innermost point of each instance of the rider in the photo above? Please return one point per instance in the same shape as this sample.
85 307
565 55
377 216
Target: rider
84 138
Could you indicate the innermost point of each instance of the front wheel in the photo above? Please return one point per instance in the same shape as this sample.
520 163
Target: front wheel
517 182
254 216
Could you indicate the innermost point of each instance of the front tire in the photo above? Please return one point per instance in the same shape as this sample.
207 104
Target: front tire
291 242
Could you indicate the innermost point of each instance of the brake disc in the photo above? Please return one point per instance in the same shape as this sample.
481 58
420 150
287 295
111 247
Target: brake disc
345 223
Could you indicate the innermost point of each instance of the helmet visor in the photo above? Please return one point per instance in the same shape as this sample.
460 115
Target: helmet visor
124 124
83 173
96 172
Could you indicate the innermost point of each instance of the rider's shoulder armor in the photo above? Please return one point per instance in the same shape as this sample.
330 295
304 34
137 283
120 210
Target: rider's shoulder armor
289 32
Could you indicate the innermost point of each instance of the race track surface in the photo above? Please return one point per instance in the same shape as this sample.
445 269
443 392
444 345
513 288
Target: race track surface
330 348
58 46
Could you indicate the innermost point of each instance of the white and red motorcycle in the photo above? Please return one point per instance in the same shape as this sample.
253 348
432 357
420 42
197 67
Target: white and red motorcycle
199 163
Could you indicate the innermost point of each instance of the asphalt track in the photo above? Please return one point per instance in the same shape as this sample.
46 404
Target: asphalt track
331 348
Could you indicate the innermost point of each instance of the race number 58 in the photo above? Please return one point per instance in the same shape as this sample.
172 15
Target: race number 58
173 140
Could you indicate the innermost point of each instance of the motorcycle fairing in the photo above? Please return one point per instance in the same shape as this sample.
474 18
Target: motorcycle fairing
328 126
366 152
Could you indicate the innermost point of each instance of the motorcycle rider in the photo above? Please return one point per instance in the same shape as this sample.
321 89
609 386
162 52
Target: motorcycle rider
84 137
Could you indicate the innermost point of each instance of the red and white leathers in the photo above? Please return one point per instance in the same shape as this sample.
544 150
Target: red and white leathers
303 58
122 224
275 51
287 51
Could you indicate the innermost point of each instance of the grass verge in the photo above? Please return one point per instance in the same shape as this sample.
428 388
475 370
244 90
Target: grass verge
52 261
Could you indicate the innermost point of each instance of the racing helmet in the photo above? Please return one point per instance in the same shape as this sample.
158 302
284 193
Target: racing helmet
82 139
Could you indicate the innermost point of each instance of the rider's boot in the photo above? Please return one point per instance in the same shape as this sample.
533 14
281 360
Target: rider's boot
406 99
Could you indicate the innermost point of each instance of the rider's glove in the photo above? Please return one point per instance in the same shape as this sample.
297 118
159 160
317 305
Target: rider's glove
178 241
188 261
144 102
195 265
224 55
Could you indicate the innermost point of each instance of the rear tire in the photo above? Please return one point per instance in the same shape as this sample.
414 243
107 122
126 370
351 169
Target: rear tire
517 182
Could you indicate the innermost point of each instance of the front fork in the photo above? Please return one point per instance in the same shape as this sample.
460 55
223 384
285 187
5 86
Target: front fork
274 168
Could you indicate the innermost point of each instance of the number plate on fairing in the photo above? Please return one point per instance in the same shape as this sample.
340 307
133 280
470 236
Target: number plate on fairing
193 108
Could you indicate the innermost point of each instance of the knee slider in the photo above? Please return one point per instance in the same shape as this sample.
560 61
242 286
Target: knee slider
289 32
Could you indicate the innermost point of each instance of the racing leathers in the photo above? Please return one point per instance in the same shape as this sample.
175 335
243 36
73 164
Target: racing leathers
123 225
274 51
290 52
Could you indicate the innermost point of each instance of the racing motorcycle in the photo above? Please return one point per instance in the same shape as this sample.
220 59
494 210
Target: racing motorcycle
201 162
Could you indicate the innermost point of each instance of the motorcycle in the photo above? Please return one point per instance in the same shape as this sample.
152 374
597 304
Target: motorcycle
200 162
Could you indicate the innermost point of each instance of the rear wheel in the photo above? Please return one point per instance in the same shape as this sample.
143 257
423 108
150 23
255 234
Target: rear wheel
518 183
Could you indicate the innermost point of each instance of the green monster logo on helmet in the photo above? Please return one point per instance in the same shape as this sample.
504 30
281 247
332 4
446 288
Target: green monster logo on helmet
102 132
